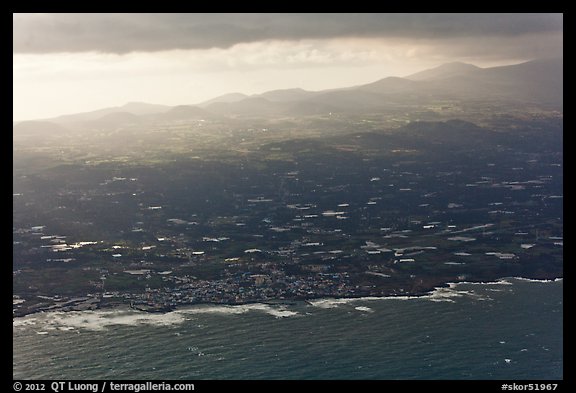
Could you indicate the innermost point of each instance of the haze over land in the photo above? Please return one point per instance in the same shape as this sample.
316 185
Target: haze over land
537 84
70 63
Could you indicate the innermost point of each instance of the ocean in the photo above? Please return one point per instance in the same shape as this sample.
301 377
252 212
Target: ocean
511 329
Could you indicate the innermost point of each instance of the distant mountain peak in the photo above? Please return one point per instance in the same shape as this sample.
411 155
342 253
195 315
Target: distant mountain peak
443 71
457 64
186 112
226 98
286 95
133 103
141 108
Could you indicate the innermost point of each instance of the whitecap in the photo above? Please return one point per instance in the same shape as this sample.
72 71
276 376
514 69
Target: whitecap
330 303
278 312
535 280
501 281
336 302
442 295
447 294
100 320
403 297
365 309
224 309
23 321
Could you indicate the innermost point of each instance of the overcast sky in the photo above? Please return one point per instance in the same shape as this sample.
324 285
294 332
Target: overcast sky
68 63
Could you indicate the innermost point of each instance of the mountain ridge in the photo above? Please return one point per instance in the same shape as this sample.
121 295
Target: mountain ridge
443 71
539 81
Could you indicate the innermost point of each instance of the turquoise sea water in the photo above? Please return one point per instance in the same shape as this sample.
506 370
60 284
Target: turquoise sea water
511 329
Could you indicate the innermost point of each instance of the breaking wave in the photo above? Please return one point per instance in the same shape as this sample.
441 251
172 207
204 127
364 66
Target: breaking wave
276 311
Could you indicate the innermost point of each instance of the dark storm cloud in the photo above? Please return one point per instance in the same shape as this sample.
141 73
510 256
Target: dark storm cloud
123 33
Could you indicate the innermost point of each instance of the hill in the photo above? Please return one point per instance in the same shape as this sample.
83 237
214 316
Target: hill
226 98
443 71
185 112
